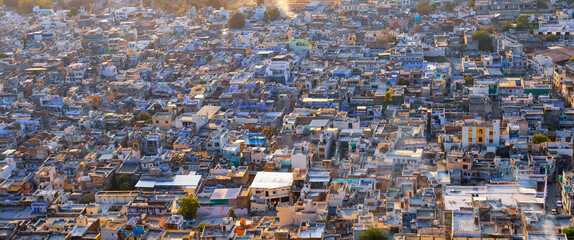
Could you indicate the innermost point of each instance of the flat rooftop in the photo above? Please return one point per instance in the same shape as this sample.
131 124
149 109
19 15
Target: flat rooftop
272 180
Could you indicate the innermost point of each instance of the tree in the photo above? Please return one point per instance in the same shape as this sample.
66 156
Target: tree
144 116
551 38
231 213
386 36
541 4
146 3
272 14
373 233
523 22
550 126
506 26
73 12
483 38
24 39
189 3
27 6
188 207
201 226
569 232
11 3
540 138
236 21
404 82
424 7
449 6
388 98
215 4
471 4
76 4
468 81
123 182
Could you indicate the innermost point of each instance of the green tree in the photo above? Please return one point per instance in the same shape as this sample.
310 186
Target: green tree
550 126
506 26
272 14
215 4
449 6
144 116
569 232
483 38
388 98
188 207
471 4
386 36
540 138
201 226
468 81
236 21
75 4
425 8
533 26
551 38
123 182
27 6
25 39
11 3
523 22
181 6
147 3
198 4
541 4
73 12
373 233
404 82
571 59
181 10
231 213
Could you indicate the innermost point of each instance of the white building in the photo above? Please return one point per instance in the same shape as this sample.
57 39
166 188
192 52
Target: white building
406 157
269 189
76 72
123 13
279 70
198 119
39 12
543 65
109 71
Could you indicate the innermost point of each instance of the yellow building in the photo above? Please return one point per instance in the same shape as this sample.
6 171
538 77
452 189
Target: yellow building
481 133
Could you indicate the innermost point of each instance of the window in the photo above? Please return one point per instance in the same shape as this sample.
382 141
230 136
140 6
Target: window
480 139
156 121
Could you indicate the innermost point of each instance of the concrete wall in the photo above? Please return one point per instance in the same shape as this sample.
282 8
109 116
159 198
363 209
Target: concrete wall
213 211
